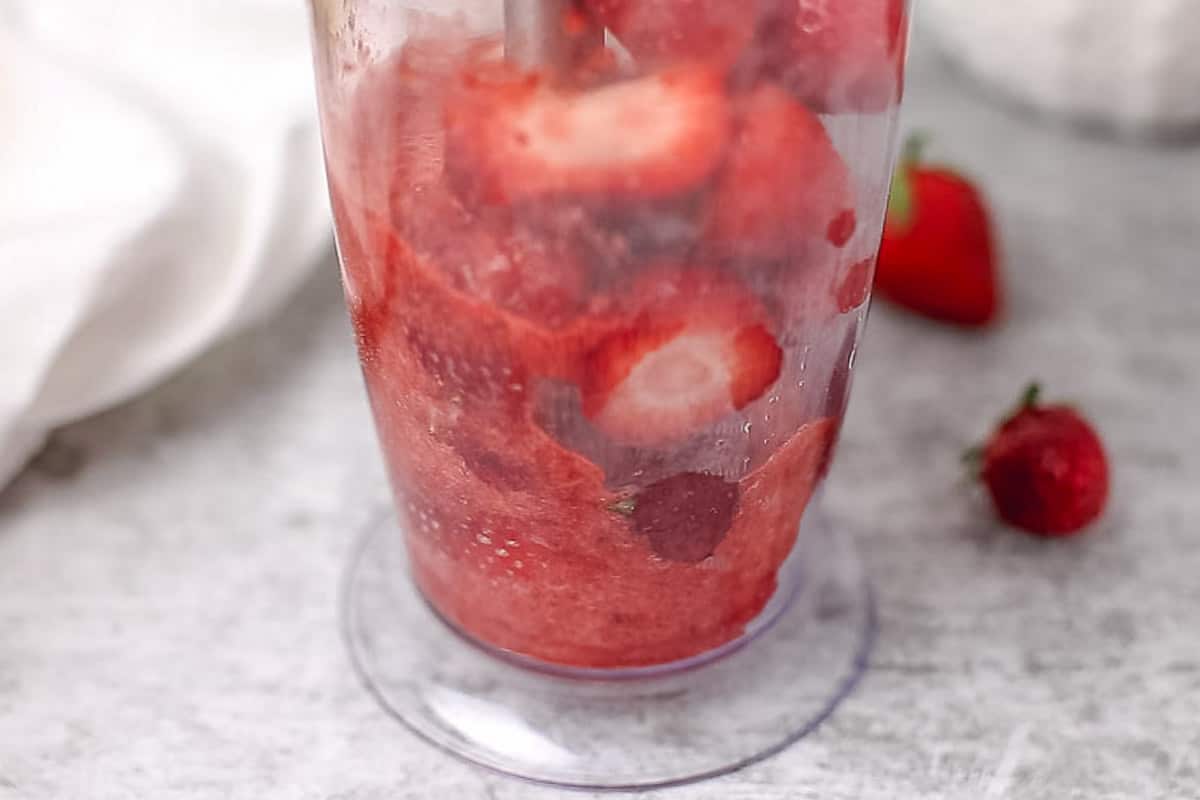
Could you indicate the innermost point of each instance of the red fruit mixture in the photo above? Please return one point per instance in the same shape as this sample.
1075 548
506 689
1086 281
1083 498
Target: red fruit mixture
672 30
833 55
595 320
1046 469
838 55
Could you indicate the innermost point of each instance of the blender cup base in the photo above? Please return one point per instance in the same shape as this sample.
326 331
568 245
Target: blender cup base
612 729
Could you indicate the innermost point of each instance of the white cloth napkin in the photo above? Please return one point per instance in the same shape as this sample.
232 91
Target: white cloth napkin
160 185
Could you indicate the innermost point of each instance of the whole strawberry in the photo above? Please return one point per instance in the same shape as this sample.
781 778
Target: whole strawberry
937 257
1046 469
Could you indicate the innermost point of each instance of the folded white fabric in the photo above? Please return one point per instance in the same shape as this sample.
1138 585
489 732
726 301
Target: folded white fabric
160 184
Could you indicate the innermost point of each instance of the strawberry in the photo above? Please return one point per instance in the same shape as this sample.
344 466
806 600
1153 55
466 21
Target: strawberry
658 31
697 349
784 184
684 517
937 256
837 55
511 137
1045 468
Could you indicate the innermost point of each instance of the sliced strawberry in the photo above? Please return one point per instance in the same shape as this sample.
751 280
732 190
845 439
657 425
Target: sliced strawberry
686 516
442 338
698 349
784 186
511 137
658 31
838 56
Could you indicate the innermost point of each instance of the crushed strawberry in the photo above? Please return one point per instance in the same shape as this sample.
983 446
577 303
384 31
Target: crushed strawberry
784 185
837 56
496 256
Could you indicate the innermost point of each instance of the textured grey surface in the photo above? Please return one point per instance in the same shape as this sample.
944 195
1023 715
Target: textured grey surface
168 570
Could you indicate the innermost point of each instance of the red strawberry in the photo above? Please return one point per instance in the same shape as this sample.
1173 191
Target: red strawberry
784 184
1046 469
513 138
698 349
659 31
837 55
684 517
937 256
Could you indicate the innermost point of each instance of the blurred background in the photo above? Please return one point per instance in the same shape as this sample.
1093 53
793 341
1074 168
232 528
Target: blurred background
187 453
162 185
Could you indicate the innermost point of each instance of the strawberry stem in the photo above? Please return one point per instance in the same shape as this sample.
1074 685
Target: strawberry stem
1029 398
1032 394
914 148
972 459
901 202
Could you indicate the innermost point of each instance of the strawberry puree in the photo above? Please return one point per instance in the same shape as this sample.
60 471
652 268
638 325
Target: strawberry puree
602 369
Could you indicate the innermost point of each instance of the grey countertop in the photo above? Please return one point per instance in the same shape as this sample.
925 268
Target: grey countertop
169 570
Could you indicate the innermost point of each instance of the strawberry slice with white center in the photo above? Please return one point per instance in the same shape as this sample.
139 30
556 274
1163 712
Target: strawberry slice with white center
699 349
511 137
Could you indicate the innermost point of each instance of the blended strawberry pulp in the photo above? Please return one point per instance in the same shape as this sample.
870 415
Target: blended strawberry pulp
606 377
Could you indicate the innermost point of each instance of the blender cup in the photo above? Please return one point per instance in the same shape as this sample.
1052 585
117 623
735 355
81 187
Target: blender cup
608 263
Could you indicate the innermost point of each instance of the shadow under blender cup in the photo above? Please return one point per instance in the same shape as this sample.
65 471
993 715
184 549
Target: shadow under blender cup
603 318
